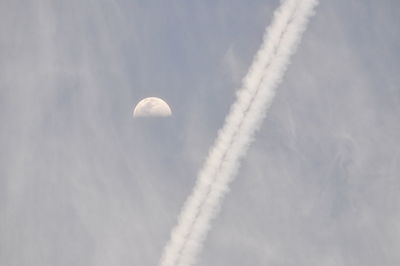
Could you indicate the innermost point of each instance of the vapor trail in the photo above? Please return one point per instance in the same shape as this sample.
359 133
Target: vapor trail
246 115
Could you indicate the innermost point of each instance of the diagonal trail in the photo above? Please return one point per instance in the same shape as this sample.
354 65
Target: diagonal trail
245 117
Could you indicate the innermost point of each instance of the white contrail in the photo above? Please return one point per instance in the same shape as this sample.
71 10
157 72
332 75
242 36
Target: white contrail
245 117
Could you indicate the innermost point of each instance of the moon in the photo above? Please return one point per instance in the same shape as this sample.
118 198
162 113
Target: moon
152 107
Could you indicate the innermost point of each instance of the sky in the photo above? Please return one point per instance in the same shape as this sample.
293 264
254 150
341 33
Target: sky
83 183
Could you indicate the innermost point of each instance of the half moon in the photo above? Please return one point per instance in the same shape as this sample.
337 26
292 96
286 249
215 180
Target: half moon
153 107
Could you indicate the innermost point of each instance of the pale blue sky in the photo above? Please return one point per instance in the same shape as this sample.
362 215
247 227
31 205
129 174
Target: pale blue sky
82 183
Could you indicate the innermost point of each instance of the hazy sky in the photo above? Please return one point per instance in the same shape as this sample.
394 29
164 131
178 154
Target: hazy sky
83 183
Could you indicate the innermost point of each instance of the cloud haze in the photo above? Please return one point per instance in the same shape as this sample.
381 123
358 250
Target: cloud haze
82 183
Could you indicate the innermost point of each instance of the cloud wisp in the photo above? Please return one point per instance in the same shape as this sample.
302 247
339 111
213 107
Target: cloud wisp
245 117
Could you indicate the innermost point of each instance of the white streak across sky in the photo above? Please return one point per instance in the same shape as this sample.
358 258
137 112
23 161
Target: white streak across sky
245 117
